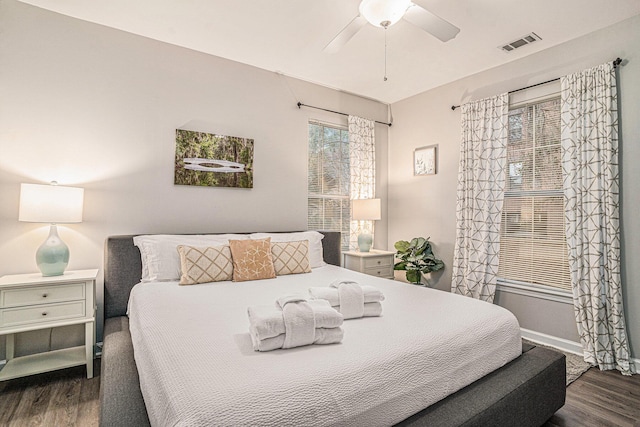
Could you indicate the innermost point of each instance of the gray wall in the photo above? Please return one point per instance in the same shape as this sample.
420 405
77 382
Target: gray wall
426 205
95 107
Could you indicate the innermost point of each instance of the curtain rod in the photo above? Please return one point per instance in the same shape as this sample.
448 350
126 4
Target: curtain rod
616 62
300 105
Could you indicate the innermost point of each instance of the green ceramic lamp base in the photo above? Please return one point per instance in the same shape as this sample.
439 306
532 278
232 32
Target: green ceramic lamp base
52 256
365 241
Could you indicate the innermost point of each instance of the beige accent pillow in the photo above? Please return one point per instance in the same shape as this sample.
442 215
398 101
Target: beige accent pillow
251 260
205 264
290 257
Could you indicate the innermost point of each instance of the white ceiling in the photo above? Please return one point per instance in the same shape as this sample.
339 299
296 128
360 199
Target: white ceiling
288 36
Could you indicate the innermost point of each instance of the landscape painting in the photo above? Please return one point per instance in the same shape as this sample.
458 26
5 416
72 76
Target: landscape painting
210 160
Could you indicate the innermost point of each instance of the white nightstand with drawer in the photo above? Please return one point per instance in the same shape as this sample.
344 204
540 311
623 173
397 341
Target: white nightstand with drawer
29 302
374 263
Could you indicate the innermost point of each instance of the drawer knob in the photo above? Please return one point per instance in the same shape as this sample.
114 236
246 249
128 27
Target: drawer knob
378 262
45 295
44 313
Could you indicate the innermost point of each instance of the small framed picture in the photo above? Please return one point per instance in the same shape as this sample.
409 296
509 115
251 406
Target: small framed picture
425 160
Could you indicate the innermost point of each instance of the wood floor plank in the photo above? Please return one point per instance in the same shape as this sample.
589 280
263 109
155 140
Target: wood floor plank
600 399
63 405
49 399
606 400
32 406
610 380
601 415
11 397
88 414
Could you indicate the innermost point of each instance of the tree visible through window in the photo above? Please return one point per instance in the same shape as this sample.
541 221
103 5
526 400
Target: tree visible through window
329 206
533 248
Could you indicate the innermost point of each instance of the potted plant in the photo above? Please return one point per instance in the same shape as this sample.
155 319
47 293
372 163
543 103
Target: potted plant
416 258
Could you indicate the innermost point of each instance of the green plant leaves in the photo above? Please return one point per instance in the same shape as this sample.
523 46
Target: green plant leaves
416 257
401 246
400 266
419 244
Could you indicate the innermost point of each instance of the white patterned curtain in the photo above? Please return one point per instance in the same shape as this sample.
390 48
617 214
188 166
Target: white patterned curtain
362 159
590 174
480 194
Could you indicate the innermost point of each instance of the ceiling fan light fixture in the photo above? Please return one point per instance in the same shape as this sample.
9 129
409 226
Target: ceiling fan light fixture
384 13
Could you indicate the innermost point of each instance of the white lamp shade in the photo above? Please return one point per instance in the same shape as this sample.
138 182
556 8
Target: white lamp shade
379 11
365 209
52 204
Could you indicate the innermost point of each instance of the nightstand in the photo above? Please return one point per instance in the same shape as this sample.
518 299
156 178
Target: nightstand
374 263
29 302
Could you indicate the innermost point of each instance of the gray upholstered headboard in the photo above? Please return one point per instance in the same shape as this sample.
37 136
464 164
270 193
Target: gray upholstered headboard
123 268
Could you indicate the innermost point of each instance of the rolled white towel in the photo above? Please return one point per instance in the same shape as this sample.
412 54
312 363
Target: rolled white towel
322 336
267 320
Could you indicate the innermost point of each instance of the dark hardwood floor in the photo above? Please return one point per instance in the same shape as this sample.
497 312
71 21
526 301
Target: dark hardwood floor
68 398
600 399
60 398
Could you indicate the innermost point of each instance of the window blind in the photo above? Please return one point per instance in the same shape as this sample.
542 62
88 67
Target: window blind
329 205
533 247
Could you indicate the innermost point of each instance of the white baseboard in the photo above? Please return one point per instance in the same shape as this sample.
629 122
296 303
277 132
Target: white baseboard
560 343
551 341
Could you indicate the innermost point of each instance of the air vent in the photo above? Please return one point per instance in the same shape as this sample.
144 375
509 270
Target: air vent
522 41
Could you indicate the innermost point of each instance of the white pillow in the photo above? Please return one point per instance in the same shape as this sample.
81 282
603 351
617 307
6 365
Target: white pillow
160 257
316 258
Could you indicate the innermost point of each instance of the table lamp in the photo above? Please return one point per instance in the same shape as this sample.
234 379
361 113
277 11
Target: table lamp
365 210
51 204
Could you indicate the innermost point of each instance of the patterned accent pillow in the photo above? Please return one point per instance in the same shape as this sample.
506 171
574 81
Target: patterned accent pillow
251 260
291 257
316 253
205 264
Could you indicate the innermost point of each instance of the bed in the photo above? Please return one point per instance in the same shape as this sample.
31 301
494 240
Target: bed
411 386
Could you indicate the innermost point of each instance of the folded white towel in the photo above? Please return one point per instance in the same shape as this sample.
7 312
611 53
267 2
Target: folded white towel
299 322
372 309
286 299
322 336
267 320
336 283
350 298
371 294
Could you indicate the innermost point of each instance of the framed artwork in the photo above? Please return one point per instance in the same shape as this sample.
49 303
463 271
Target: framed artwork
210 160
425 160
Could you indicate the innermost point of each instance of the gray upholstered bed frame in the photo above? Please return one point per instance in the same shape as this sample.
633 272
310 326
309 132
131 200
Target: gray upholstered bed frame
525 392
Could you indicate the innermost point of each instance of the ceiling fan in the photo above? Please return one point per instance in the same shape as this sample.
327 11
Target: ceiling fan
384 13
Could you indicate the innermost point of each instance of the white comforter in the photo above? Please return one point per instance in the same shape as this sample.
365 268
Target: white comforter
197 366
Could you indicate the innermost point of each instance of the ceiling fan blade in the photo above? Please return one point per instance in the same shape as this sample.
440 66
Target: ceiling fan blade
345 35
431 23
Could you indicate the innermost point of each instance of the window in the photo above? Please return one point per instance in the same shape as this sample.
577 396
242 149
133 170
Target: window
533 248
329 206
